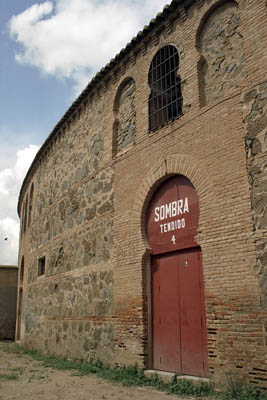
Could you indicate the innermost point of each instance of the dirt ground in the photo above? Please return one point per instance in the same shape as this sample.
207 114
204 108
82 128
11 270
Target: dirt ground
37 382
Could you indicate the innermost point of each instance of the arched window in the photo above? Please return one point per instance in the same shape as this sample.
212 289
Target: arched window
220 42
165 100
22 270
22 220
30 205
25 214
124 128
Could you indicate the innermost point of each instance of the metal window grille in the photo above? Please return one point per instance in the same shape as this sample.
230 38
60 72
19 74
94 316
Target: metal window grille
165 100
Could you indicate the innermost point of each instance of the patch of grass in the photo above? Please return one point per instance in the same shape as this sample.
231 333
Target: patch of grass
12 348
128 376
236 389
186 387
8 377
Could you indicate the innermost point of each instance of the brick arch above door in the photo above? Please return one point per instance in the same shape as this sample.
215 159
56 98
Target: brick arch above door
177 164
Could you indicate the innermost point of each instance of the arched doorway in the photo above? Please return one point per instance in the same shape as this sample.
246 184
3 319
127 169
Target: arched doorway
177 295
20 298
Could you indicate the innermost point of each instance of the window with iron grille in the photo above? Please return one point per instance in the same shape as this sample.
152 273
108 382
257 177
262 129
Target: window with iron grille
165 100
41 266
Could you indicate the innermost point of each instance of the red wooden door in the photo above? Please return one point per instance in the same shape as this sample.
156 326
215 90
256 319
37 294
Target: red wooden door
178 316
166 319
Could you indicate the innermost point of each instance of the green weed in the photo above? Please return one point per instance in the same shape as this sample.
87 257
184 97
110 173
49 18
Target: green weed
12 348
8 377
236 389
186 387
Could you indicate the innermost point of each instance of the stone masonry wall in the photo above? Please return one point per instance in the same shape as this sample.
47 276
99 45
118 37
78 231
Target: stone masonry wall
98 261
125 123
89 245
221 44
255 122
76 311
62 175
92 199
72 227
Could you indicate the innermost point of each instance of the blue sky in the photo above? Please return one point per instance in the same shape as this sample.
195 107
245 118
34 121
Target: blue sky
50 50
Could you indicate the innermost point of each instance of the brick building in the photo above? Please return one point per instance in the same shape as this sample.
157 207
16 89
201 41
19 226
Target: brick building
143 215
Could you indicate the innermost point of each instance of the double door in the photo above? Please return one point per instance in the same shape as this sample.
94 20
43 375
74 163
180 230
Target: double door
178 313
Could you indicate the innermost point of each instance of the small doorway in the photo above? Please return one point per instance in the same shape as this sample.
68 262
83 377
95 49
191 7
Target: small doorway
178 320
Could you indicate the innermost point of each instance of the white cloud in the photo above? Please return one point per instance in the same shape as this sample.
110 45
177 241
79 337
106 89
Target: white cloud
24 160
9 237
10 182
70 39
76 38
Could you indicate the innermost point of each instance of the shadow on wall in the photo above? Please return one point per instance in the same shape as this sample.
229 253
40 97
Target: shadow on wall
8 301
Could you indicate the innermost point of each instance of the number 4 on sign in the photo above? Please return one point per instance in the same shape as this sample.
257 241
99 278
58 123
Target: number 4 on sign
173 239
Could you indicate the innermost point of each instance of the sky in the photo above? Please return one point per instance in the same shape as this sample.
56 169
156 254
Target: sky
50 50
